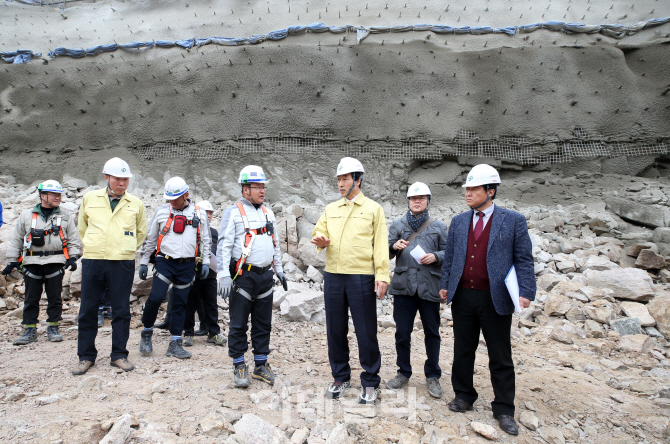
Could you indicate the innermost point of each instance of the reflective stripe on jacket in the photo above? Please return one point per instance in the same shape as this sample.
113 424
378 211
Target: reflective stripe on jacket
358 238
111 235
52 241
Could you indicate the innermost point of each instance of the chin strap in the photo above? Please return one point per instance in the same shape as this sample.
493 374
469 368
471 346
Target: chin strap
352 188
111 192
479 206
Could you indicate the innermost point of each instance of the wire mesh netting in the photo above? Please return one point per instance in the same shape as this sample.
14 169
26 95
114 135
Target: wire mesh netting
518 149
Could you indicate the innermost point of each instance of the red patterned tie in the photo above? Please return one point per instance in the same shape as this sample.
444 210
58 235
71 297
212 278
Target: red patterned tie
479 227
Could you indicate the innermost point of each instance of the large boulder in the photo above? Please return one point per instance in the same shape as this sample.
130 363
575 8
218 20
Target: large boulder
308 254
652 216
640 311
626 283
142 287
649 260
570 289
548 281
659 309
300 307
627 326
600 311
255 430
661 235
557 304
120 432
599 263
636 343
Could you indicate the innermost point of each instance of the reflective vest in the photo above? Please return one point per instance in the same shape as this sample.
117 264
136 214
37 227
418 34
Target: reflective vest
27 242
250 235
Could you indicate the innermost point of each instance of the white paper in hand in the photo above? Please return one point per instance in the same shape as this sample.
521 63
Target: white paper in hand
417 253
513 288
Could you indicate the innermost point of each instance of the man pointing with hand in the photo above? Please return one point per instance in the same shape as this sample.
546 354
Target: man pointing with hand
353 232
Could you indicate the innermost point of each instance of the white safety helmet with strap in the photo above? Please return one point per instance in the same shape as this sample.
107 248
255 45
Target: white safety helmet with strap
252 174
205 205
349 165
418 189
116 167
175 187
50 186
482 174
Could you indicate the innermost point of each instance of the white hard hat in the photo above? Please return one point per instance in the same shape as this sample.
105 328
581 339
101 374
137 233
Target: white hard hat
175 187
349 165
205 205
252 174
482 174
418 189
50 186
117 167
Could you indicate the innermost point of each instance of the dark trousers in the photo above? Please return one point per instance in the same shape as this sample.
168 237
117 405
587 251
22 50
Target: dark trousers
34 288
473 311
260 310
117 276
404 312
203 293
105 301
356 292
180 273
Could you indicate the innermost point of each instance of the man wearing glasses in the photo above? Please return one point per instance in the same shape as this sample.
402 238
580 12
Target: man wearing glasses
417 242
247 254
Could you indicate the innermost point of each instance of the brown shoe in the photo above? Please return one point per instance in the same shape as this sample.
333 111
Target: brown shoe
82 367
458 405
123 364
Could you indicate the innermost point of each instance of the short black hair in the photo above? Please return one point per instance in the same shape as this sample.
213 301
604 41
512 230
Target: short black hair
357 175
492 186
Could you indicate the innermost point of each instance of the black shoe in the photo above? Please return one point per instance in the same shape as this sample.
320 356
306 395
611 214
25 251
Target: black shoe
241 376
101 318
368 395
145 342
165 324
107 313
337 389
201 332
458 405
264 373
175 349
29 335
507 424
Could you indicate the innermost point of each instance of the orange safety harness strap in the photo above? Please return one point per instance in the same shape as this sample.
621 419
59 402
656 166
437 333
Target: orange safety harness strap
33 225
168 224
250 233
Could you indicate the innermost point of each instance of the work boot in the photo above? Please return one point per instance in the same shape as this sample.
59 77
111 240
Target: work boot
241 374
29 335
53 335
101 318
107 313
165 324
368 395
434 387
188 341
264 373
175 349
145 342
123 364
82 367
201 331
398 382
217 339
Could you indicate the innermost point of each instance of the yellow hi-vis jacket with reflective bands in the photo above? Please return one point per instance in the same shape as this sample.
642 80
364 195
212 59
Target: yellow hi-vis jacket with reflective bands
358 238
111 235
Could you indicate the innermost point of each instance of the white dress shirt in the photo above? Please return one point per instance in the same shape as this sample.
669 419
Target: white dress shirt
487 215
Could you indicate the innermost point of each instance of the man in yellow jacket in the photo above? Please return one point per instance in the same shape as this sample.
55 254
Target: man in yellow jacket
112 226
353 232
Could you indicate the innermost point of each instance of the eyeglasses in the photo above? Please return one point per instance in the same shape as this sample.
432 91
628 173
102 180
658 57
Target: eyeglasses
418 198
257 188
51 194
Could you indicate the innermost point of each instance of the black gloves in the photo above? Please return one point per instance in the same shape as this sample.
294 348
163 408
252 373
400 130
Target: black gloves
71 264
10 266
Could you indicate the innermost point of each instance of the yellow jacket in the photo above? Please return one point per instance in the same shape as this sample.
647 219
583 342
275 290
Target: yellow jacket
111 236
358 238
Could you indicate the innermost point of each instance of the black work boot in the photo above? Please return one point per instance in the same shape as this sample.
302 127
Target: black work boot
264 373
29 335
53 335
175 349
145 342
165 324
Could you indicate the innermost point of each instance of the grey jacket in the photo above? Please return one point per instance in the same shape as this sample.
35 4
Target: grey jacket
410 277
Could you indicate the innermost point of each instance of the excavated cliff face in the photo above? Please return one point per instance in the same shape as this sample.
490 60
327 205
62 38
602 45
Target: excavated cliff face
295 106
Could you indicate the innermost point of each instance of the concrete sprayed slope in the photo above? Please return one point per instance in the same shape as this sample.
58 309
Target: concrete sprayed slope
418 89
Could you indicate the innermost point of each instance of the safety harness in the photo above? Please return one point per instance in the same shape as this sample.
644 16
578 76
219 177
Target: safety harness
195 222
28 243
250 236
